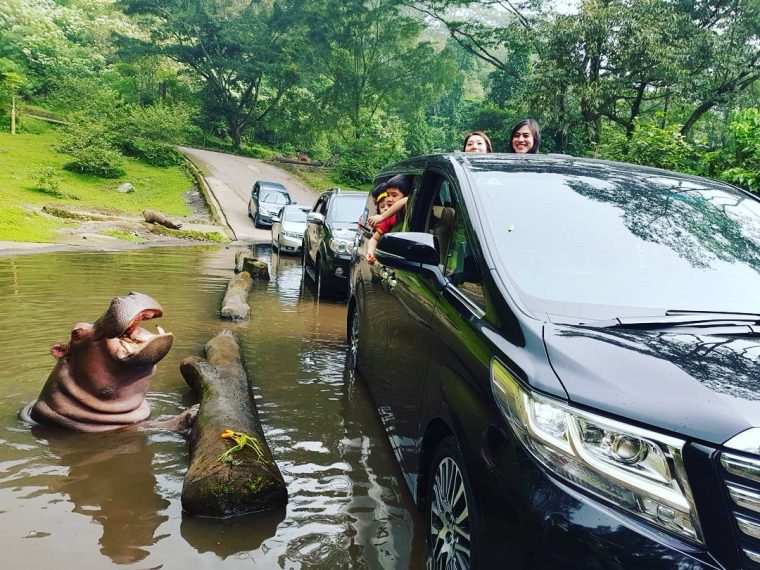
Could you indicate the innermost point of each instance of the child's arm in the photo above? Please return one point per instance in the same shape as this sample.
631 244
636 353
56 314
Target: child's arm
394 209
371 247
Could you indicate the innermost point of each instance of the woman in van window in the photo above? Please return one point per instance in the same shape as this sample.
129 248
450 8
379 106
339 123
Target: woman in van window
477 141
525 137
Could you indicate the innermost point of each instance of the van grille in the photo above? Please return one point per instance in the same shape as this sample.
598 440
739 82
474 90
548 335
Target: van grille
742 478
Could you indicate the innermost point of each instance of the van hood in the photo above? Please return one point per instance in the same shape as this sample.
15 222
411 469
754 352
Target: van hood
700 386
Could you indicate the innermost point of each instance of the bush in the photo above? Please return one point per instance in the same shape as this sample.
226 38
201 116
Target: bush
46 180
91 145
99 161
653 146
152 152
744 164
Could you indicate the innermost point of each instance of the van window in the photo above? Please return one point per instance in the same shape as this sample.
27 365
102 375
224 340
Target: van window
445 219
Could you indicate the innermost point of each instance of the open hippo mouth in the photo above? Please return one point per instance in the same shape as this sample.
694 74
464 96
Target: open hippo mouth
126 339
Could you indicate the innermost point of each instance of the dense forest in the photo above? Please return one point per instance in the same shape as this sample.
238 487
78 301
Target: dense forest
670 83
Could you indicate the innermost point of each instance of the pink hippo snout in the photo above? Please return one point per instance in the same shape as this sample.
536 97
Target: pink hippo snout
103 372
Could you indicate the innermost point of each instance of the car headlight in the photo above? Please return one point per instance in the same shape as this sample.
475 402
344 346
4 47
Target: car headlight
638 470
340 246
292 234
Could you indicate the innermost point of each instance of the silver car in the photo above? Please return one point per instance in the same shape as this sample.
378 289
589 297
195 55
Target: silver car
288 228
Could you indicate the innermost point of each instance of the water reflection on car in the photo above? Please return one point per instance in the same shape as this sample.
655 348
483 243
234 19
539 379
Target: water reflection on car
288 228
564 353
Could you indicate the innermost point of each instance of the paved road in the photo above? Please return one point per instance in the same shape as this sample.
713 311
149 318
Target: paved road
231 177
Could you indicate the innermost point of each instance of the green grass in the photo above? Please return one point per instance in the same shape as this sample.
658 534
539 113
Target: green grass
126 236
190 234
25 154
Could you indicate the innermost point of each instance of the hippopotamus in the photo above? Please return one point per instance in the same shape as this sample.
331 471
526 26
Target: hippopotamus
103 372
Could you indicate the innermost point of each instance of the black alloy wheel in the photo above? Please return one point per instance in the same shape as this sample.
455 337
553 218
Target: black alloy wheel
450 511
353 339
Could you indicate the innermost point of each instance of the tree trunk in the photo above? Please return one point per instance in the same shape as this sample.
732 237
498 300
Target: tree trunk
248 480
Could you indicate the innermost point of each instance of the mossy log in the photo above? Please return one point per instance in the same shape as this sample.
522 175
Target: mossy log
154 217
257 268
249 480
241 255
235 304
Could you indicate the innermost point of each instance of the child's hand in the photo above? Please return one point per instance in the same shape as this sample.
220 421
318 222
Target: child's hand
372 221
371 259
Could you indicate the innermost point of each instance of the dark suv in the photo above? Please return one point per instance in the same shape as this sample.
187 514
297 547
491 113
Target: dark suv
329 238
565 354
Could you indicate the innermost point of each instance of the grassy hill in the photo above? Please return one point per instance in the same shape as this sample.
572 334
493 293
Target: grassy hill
32 175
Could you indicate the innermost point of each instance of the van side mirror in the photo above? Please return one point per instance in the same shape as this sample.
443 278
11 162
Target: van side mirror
412 247
413 251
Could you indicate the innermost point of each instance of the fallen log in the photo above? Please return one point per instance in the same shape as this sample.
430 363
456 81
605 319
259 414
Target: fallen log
257 268
153 217
235 303
223 482
241 255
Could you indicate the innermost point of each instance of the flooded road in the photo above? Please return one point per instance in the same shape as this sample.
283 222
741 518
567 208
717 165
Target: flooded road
94 501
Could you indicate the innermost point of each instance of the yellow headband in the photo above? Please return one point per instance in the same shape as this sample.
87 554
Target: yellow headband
381 196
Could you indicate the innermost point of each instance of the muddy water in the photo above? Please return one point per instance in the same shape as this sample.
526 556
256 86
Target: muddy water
94 501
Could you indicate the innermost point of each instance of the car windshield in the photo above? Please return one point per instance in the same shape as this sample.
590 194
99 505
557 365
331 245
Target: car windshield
597 240
294 215
274 197
347 209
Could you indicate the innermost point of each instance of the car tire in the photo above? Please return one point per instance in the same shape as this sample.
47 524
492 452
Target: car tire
275 244
256 220
249 210
353 338
451 529
324 291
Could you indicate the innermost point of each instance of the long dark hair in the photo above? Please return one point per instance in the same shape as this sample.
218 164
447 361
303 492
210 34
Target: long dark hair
535 131
480 134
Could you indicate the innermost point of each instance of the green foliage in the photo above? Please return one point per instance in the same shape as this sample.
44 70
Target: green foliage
419 136
152 152
47 180
362 158
653 146
745 130
92 147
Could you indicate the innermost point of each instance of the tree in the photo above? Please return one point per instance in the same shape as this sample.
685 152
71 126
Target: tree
365 58
243 51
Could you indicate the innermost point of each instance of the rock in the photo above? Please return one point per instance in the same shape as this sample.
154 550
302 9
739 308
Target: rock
125 187
240 255
257 268
235 304
153 217
244 481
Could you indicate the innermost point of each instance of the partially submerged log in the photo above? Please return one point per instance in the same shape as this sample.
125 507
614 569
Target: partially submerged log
240 256
257 268
153 217
241 482
235 304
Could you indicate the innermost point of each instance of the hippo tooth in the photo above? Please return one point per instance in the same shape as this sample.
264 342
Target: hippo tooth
160 329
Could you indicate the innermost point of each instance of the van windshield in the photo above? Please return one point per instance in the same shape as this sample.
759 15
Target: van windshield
601 239
274 197
347 209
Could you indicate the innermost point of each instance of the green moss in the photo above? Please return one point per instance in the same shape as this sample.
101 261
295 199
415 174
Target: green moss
190 234
127 236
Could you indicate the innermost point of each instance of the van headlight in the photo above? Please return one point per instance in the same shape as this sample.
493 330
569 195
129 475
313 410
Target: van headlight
340 245
638 470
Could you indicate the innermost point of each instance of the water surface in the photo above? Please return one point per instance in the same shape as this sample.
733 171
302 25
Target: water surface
93 501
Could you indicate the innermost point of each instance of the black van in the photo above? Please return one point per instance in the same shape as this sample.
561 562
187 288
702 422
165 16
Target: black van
565 354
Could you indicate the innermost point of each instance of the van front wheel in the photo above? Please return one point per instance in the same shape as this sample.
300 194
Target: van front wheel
451 515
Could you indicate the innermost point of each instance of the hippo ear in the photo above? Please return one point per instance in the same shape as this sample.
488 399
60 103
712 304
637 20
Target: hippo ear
60 350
